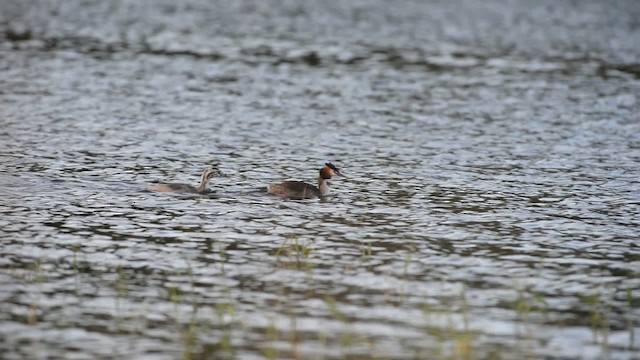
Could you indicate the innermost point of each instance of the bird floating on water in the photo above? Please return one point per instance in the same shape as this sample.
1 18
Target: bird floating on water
207 174
299 190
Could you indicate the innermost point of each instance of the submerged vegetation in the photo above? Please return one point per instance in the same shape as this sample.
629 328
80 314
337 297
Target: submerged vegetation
216 321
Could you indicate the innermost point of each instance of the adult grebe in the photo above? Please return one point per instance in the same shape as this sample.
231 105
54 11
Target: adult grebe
300 190
207 174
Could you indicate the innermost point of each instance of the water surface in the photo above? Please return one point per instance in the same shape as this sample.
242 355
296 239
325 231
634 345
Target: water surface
491 211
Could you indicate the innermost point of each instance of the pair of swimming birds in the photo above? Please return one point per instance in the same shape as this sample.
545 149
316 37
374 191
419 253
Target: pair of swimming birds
287 189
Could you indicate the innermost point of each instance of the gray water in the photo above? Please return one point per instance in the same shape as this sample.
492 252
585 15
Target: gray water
491 209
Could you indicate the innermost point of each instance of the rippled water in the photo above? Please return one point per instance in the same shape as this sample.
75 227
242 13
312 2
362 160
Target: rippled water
491 211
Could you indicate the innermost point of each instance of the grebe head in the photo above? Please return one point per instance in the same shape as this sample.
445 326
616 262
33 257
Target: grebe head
209 173
329 170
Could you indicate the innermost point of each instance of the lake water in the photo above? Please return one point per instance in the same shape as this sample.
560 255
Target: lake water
491 209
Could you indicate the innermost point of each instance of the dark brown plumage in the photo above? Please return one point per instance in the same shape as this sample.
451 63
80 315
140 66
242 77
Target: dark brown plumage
297 190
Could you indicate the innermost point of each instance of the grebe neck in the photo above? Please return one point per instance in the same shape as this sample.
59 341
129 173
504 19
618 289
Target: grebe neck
323 186
204 179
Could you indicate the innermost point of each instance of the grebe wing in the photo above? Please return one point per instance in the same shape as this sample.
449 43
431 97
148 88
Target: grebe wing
294 190
173 188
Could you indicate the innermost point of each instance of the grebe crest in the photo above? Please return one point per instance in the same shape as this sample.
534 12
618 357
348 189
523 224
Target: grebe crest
300 190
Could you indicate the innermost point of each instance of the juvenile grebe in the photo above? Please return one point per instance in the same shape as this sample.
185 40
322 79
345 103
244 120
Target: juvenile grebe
300 190
207 174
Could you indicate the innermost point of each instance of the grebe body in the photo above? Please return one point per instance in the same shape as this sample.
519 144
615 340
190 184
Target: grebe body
300 190
207 174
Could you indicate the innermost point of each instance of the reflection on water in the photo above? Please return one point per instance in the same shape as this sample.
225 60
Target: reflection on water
491 209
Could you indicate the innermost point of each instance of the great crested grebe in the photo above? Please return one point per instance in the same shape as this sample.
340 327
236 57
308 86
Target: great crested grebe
207 174
300 190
